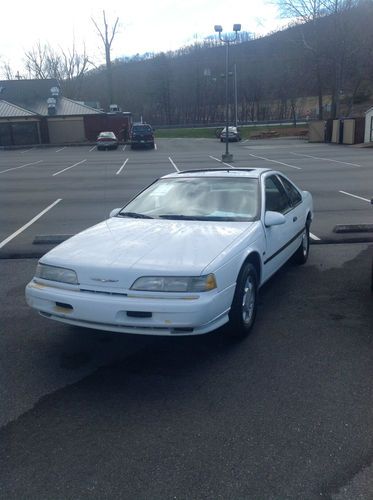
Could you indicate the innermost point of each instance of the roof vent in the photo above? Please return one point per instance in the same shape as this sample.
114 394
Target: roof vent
51 105
114 108
55 91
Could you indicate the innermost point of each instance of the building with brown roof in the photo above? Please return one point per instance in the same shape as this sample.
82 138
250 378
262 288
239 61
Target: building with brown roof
36 112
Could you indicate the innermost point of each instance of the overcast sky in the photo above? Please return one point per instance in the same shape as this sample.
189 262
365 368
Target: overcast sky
145 25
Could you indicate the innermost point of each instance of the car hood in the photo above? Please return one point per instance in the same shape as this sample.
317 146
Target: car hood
119 250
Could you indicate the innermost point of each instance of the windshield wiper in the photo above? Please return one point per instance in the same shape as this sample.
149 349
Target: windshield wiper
206 218
135 215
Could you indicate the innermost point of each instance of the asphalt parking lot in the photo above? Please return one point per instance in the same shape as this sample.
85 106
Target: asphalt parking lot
60 191
287 413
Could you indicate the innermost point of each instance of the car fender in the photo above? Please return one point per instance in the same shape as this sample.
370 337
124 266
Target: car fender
228 271
307 199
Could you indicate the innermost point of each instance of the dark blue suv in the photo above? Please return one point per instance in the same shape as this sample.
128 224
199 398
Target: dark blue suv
142 135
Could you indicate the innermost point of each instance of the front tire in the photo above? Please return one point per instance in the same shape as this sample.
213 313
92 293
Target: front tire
244 304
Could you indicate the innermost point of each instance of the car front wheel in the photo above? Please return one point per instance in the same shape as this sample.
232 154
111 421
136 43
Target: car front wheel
244 305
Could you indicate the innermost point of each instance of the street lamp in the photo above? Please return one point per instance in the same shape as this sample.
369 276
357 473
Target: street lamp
227 40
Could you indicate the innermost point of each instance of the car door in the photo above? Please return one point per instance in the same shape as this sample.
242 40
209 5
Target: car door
281 240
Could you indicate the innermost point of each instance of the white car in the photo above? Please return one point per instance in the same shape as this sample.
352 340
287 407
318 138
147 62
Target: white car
184 257
107 140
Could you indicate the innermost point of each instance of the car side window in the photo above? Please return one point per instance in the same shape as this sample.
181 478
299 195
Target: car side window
276 198
292 192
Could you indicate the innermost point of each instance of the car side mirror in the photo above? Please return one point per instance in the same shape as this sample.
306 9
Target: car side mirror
114 212
273 219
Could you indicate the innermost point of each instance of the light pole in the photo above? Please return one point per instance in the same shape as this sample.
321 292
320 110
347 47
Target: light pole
235 96
227 40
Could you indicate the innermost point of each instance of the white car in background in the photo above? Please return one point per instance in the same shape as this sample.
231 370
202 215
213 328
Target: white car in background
107 140
184 257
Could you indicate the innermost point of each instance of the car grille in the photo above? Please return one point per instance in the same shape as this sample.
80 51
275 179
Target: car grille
103 292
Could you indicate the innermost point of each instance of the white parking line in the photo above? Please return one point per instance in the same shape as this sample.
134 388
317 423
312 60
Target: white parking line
68 168
221 161
124 147
275 161
155 146
9 238
355 196
26 151
326 159
58 150
94 147
22 166
173 164
313 237
122 167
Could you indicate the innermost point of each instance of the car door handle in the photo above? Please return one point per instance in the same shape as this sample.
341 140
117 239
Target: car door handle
295 218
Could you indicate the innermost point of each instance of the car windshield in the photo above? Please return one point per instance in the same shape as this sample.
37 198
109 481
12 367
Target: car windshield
198 199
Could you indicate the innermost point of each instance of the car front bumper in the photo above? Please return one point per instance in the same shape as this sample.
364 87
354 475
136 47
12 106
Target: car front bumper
107 144
144 142
140 313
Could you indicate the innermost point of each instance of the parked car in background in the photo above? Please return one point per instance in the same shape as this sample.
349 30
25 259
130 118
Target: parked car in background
233 134
107 140
184 257
142 135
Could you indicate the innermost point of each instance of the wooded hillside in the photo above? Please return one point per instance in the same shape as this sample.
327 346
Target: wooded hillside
320 67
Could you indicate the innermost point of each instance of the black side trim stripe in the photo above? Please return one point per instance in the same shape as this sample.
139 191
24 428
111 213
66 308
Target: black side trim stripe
283 248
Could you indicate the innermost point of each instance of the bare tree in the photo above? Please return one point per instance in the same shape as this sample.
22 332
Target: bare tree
74 67
8 71
107 35
67 65
40 60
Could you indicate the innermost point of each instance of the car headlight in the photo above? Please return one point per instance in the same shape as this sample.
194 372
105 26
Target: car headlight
175 283
54 273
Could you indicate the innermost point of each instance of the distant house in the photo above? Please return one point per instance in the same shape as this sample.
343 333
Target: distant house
35 112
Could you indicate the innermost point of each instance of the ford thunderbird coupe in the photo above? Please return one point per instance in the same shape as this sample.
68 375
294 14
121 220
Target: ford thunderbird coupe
186 256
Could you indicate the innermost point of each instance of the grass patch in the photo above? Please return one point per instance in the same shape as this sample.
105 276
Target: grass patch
192 133
246 132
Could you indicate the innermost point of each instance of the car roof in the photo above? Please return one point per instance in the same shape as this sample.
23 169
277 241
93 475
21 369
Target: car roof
253 173
106 133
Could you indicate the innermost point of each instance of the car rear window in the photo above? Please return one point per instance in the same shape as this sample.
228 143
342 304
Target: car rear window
141 128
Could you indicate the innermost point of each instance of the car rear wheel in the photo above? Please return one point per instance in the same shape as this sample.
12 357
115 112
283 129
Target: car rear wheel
301 255
244 305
